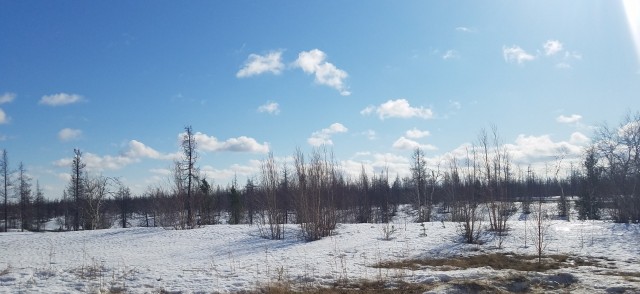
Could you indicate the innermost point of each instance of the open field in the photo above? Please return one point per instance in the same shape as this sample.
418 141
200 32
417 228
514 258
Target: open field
588 257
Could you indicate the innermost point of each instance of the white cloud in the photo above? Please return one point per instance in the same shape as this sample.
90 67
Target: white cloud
552 47
7 97
417 134
408 144
227 174
239 144
313 62
258 64
371 134
323 137
60 99
3 117
516 54
98 163
398 108
270 108
578 138
137 149
68 134
531 149
574 118
450 54
563 65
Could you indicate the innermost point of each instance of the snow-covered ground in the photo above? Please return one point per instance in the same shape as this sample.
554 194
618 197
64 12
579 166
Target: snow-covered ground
231 258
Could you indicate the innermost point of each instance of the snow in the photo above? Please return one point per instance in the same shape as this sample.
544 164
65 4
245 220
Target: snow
232 258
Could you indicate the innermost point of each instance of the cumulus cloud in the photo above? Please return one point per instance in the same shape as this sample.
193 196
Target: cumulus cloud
531 149
3 117
134 152
68 134
552 47
270 108
239 144
60 99
574 118
417 134
7 97
578 138
259 64
399 108
376 163
516 54
314 62
323 137
99 163
407 144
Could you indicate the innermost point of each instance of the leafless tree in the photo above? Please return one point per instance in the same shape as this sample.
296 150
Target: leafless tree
39 203
620 150
541 225
189 171
77 187
316 187
24 196
275 214
419 175
7 181
123 197
97 190
470 212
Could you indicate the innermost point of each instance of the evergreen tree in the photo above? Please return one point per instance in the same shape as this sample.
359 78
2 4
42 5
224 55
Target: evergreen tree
589 204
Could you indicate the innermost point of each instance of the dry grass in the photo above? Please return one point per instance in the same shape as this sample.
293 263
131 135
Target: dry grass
364 286
5 271
497 261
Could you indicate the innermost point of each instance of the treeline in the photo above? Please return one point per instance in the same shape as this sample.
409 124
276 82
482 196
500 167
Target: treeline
316 193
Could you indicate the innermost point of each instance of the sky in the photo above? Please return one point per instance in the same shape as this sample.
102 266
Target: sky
368 80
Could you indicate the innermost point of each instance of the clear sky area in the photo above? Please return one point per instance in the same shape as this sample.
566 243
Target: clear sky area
369 80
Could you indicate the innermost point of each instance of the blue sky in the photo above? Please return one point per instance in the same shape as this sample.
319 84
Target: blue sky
369 79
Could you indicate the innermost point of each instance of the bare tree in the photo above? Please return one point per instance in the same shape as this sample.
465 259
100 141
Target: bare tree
6 184
39 203
620 150
419 176
24 196
77 187
275 215
541 225
189 170
470 212
123 197
98 188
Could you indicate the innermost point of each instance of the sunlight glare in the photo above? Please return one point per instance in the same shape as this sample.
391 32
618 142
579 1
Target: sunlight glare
632 12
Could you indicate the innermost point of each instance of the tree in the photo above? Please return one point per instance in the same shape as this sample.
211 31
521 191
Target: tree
620 151
39 204
24 196
275 214
123 196
588 204
77 186
419 176
189 170
6 183
235 212
97 189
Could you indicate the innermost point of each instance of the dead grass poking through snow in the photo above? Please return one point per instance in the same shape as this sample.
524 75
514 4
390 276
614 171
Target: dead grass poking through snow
497 261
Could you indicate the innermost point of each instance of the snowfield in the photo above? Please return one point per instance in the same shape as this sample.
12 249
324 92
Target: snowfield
234 258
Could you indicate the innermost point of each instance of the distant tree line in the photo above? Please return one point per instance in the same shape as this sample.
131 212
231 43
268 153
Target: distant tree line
315 193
